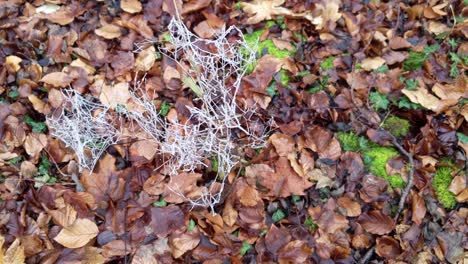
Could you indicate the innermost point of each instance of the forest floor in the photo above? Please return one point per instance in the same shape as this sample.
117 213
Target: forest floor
364 104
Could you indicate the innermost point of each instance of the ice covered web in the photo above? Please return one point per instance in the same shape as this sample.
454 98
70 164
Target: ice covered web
84 126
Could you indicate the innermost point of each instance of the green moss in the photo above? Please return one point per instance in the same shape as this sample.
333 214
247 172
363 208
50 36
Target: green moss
396 126
284 77
375 156
441 183
265 46
376 160
396 181
349 141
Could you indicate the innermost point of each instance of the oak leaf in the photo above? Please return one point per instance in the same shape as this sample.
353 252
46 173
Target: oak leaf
78 234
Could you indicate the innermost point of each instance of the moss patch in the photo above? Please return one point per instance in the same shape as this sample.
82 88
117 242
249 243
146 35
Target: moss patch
398 127
264 47
441 183
375 157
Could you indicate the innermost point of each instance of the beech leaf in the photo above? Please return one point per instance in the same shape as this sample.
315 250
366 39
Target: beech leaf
78 234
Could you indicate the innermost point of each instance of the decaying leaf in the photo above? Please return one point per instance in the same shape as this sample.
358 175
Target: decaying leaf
78 234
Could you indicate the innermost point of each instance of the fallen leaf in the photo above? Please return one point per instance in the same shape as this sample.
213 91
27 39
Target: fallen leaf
296 251
423 97
353 208
82 64
115 248
131 6
109 31
14 254
283 144
34 144
57 79
78 234
115 95
437 27
183 243
328 12
376 222
62 16
194 5
145 59
263 10
39 105
418 209
12 63
165 220
370 64
387 247
65 217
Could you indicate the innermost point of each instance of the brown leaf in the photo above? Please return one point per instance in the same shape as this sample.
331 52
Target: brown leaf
63 16
322 141
184 242
12 63
353 208
399 43
115 248
14 254
65 216
131 6
182 185
370 64
276 238
115 95
78 234
155 184
283 144
376 222
296 251
109 31
418 209
165 220
387 247
145 59
57 79
194 5
34 144
39 105
263 10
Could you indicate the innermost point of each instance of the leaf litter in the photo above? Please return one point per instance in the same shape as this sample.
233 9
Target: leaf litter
360 98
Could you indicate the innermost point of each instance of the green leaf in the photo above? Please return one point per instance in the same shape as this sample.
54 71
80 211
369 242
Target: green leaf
310 224
13 93
271 89
160 203
296 198
245 247
44 166
191 225
462 137
164 109
378 100
37 127
382 69
278 215
404 102
15 161
327 64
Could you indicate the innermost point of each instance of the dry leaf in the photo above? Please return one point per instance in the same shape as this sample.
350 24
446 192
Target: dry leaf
63 16
329 12
34 143
423 97
57 79
38 104
78 234
109 31
131 6
353 208
387 247
14 254
283 144
184 243
376 222
263 10
12 63
65 216
115 95
145 59
370 64
437 28
418 209
82 64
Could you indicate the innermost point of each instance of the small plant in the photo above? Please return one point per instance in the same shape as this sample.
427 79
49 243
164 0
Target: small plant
310 224
245 248
191 225
13 93
43 174
398 127
37 127
160 203
416 59
456 60
382 69
164 109
411 84
321 84
379 101
327 64
278 215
